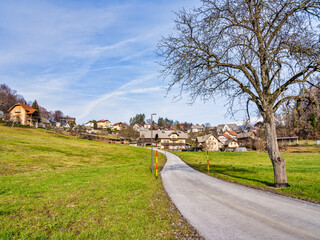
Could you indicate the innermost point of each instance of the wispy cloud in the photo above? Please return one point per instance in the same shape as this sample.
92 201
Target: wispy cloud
90 59
125 90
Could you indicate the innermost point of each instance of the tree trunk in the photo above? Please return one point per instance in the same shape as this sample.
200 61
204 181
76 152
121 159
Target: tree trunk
278 163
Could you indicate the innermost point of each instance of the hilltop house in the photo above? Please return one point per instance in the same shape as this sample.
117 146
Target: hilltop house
197 128
68 120
89 124
138 127
209 142
103 124
23 114
172 140
118 126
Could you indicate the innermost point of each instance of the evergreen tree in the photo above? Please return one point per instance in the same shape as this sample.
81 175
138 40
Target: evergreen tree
35 106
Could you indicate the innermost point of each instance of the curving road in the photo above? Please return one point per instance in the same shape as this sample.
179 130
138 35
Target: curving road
223 210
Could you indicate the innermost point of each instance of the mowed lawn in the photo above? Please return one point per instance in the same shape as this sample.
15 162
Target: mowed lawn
59 187
255 169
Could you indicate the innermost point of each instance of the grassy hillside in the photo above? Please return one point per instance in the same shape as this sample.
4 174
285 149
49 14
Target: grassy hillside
255 169
58 187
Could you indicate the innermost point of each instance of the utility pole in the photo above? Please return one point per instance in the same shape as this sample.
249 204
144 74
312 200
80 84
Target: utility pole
152 142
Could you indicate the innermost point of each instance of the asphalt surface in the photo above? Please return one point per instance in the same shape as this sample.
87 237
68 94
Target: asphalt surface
223 210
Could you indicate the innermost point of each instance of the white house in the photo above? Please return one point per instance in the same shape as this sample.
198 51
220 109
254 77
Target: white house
224 127
137 127
224 137
231 145
209 142
89 124
197 128
118 126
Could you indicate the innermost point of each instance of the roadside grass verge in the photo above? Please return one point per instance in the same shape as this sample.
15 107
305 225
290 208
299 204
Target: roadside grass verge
254 169
58 187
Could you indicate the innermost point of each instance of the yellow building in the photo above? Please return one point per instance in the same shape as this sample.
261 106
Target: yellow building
103 124
23 114
172 140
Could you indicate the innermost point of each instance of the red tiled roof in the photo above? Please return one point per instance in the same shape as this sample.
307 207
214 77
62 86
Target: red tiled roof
118 123
232 132
227 136
28 109
102 121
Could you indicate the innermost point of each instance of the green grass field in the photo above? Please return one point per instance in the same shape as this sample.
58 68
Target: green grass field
58 187
255 169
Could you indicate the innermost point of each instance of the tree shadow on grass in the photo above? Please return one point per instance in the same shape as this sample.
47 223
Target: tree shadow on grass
233 172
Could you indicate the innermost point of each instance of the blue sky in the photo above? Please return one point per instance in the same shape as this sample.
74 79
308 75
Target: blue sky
94 59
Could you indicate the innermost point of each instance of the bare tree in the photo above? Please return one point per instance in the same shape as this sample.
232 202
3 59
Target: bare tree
259 51
57 115
44 113
302 117
8 98
129 132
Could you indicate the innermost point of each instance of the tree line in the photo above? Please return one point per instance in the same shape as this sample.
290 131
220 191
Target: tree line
161 122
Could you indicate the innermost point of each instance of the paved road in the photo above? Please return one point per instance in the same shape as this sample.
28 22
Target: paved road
222 210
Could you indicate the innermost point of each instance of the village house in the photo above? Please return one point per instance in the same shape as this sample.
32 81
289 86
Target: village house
231 133
172 140
230 145
65 125
118 126
147 126
209 142
247 139
197 128
69 120
89 124
224 138
224 127
103 124
252 129
23 114
138 127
